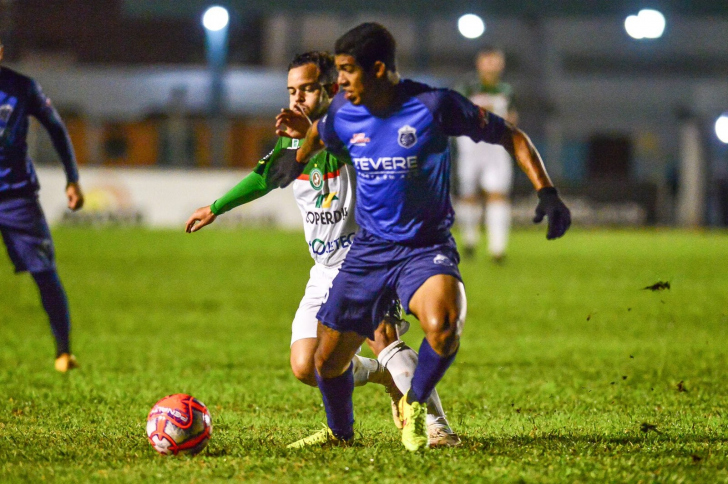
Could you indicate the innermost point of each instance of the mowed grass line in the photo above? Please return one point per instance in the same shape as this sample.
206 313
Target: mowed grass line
568 370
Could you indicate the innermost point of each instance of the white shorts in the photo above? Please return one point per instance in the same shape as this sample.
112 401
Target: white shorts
305 323
483 166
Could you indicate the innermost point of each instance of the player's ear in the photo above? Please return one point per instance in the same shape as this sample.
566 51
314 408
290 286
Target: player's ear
379 69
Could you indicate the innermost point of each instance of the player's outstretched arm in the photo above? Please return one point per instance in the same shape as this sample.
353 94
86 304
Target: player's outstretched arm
200 218
520 147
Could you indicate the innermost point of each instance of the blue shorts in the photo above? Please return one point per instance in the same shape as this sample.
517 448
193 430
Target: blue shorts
26 235
376 272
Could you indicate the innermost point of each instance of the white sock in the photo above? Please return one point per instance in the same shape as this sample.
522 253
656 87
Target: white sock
498 222
401 361
367 370
468 216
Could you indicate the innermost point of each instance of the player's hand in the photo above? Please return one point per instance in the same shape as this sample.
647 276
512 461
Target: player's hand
74 195
285 169
202 216
293 123
551 206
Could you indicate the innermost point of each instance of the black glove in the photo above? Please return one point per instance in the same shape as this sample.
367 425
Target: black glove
551 206
284 169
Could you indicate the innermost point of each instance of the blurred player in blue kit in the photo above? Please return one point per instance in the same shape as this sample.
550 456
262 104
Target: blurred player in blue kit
22 222
396 133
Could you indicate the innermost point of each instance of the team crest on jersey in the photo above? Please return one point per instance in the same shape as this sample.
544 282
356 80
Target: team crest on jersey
316 178
407 137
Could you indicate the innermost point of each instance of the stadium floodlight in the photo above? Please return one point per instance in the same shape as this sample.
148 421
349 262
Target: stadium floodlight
471 26
215 18
647 24
721 128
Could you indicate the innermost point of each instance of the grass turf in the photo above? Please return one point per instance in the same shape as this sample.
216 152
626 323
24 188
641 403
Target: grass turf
568 370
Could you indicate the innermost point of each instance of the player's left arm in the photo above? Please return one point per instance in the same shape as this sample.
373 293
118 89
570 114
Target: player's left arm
460 117
42 109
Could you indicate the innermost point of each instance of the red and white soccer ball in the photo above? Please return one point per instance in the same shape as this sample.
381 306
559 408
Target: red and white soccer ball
179 424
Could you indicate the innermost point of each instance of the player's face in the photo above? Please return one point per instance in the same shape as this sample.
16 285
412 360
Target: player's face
353 81
490 66
305 90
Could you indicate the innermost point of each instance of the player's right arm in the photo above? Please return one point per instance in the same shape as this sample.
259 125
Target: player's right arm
257 184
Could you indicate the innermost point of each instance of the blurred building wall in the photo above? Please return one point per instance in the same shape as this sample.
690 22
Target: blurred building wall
580 81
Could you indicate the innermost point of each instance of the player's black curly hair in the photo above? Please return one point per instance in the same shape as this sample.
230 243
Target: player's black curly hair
323 60
368 43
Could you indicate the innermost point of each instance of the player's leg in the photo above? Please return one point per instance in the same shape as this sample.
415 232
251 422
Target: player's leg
440 306
304 333
357 302
439 303
335 378
469 208
400 361
497 180
29 244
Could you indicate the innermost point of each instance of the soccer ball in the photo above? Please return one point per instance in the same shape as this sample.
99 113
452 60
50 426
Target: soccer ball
179 424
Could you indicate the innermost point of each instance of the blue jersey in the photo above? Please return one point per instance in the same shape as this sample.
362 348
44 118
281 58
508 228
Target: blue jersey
20 97
402 160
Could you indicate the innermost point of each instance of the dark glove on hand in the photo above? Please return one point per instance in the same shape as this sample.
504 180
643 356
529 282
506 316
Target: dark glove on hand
285 169
551 206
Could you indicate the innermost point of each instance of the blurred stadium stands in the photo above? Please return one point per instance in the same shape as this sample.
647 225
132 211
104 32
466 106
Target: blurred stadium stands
628 119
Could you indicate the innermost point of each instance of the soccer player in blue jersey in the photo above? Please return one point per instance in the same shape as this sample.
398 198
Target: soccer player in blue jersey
396 133
22 223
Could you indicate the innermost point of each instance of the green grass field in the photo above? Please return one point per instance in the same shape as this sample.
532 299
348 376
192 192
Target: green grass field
568 370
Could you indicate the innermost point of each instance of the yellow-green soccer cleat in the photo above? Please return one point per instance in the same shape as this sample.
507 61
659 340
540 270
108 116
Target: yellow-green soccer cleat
66 362
322 437
414 429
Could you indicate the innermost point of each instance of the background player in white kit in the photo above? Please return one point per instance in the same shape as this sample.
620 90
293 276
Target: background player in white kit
486 168
325 194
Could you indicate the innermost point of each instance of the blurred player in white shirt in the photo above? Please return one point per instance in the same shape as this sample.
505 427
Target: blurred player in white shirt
484 168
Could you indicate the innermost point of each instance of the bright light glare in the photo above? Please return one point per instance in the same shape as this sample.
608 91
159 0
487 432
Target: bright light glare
471 26
647 24
215 18
633 27
721 128
653 23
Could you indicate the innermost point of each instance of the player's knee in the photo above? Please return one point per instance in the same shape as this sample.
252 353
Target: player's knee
444 329
444 342
327 368
303 369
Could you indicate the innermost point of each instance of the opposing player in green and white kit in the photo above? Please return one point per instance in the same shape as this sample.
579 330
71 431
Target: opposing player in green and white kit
325 193
483 167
